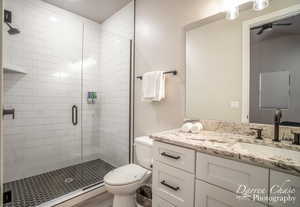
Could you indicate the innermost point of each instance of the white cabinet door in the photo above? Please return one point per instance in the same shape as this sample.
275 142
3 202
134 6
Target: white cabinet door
175 156
284 186
173 185
211 196
158 202
231 175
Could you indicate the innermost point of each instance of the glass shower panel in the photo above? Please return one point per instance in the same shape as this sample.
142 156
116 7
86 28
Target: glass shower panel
106 89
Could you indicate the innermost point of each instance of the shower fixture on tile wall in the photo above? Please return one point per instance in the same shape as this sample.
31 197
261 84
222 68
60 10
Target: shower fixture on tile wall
8 20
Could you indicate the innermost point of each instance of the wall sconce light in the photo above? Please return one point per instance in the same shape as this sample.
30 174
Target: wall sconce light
260 4
231 7
233 13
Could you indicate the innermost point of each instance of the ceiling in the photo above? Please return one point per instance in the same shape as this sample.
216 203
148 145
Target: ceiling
279 31
96 10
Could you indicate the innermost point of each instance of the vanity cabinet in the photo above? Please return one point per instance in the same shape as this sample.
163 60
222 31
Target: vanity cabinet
159 202
211 196
229 174
282 184
184 178
175 156
173 185
173 176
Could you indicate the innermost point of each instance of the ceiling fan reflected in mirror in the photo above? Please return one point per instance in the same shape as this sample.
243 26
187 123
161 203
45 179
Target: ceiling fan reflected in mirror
267 27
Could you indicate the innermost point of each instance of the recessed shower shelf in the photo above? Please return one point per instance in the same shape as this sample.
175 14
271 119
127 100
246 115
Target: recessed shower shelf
13 69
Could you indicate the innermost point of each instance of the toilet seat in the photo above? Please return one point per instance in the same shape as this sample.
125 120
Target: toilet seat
125 175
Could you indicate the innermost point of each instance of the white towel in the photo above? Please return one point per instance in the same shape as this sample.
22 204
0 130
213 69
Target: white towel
196 128
186 127
154 86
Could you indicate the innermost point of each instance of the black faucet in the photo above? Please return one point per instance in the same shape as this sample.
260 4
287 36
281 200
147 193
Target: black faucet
277 118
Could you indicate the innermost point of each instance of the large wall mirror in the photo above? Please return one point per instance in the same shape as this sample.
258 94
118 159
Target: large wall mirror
244 70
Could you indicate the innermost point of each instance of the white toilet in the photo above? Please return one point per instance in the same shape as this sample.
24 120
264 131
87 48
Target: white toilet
125 180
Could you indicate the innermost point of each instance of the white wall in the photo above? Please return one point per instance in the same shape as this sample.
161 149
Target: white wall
49 48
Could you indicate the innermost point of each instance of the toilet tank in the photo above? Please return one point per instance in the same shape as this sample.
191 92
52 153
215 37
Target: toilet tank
143 152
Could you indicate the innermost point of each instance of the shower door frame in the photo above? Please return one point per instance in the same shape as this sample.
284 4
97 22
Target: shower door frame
1 105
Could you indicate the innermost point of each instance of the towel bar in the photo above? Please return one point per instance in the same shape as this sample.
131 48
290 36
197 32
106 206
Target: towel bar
174 72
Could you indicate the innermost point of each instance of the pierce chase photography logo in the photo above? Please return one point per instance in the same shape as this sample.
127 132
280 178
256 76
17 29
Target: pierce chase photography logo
283 193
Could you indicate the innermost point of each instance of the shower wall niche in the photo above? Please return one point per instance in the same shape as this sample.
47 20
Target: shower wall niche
65 56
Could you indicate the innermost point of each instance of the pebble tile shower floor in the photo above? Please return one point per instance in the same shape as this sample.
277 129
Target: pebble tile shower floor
33 191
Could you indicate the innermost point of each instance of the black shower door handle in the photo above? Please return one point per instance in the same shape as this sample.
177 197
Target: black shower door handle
74 115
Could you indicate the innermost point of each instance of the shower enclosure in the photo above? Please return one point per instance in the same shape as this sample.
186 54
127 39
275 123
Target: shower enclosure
67 79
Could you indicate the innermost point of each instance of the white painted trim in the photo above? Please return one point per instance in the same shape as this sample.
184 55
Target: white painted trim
274 16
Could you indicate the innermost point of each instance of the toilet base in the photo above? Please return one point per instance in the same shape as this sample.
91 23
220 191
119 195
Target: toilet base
124 201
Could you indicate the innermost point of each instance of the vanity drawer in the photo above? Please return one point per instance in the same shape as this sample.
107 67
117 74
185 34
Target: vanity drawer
230 174
173 185
158 202
175 156
285 181
211 196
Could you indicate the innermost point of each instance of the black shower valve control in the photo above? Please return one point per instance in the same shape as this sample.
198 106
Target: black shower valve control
7 16
9 112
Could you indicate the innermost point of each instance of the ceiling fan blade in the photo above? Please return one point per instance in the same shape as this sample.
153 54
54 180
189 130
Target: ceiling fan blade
282 24
258 27
260 31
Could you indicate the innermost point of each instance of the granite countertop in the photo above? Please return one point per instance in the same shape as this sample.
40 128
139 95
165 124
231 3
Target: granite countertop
228 145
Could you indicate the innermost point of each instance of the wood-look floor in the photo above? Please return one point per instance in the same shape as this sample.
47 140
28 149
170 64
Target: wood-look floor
96 202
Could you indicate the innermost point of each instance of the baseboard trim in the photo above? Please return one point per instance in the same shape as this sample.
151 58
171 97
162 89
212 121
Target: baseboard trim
85 196
77 197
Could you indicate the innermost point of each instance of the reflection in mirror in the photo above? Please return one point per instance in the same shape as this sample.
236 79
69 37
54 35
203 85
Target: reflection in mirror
274 90
274 71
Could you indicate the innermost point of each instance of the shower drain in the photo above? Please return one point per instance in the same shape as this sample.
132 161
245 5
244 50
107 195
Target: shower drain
69 180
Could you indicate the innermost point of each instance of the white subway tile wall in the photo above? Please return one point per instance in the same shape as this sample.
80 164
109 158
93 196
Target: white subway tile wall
49 48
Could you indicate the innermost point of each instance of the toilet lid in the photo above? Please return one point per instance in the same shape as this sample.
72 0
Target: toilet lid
125 175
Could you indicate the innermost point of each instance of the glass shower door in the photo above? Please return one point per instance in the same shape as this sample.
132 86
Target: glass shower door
41 144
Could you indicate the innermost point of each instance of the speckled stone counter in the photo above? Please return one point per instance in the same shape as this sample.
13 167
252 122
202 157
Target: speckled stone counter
228 145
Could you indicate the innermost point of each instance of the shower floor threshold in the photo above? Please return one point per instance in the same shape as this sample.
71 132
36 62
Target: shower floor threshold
39 189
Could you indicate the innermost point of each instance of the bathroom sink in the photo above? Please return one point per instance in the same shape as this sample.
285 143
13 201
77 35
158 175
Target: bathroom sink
269 152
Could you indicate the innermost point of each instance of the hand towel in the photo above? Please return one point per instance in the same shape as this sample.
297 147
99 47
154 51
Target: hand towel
186 127
196 128
154 86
